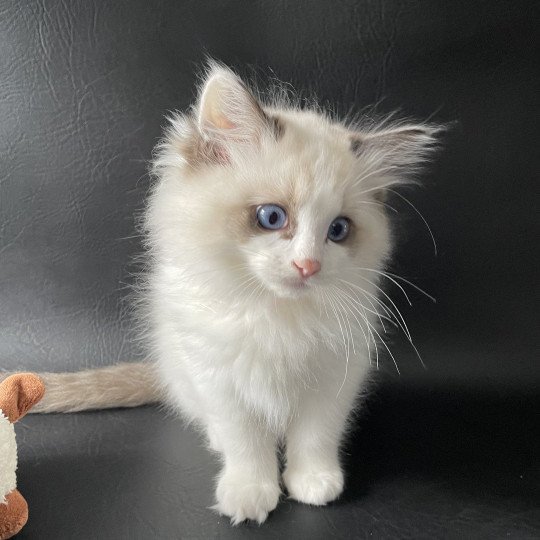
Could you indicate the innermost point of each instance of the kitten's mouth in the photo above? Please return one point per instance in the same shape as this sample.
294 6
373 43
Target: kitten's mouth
290 287
298 285
295 285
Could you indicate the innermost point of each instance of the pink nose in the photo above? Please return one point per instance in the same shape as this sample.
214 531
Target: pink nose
307 267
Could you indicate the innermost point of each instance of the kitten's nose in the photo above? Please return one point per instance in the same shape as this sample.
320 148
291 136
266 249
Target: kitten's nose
307 267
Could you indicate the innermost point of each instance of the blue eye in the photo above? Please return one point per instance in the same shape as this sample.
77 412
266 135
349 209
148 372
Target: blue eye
339 229
271 216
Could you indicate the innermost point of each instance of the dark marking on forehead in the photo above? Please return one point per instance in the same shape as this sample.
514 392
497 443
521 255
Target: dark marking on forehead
277 127
356 145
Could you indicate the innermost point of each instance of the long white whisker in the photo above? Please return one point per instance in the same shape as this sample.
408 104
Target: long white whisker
357 300
433 299
351 310
400 324
331 298
419 213
260 285
376 203
387 277
370 333
343 335
403 324
418 354
376 188
248 280
339 300
386 309
354 351
389 351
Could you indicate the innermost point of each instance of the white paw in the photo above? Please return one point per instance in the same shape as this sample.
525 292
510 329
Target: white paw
314 487
240 498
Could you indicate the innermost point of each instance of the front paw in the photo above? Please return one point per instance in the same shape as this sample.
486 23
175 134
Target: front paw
241 498
316 487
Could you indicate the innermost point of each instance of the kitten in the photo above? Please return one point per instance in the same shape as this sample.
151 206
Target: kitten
267 235
267 230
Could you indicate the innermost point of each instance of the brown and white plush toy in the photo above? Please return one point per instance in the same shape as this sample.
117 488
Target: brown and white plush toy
18 393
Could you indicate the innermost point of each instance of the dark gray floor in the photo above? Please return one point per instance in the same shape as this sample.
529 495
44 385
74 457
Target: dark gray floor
423 463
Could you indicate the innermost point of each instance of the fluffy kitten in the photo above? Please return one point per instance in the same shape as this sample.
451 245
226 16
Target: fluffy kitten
267 235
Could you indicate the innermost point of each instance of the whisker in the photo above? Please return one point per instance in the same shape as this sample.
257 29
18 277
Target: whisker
356 318
347 356
419 213
376 188
374 311
370 333
387 277
433 299
247 281
339 300
403 324
389 351
376 203
400 322
343 335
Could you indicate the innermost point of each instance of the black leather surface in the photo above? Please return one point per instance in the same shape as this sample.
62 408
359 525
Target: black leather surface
84 86
423 464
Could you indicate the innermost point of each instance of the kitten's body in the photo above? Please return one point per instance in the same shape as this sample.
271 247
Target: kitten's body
254 354
263 337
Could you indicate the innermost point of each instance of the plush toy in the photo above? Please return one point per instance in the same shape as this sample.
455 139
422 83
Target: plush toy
18 393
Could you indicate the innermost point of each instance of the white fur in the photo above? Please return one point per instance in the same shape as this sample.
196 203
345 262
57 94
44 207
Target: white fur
8 457
247 351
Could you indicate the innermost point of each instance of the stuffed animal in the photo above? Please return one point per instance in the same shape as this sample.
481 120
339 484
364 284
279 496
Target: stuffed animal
18 393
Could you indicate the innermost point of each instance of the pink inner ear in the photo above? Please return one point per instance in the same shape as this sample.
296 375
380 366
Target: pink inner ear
225 123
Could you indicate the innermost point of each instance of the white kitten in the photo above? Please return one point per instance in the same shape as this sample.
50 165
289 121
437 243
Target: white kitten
266 229
267 233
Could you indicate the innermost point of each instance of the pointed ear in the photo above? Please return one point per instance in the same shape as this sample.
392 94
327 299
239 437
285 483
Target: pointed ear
228 114
396 153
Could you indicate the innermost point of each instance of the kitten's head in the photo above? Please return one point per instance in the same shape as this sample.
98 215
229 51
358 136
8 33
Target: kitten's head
283 200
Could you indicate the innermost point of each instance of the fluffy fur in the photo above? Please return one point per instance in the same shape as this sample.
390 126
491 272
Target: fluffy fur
246 348
259 357
8 461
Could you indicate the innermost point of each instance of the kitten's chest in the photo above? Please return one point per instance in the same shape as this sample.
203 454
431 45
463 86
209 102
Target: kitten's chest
276 362
269 372
277 343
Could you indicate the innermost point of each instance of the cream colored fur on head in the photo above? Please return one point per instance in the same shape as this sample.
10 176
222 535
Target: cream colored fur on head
248 347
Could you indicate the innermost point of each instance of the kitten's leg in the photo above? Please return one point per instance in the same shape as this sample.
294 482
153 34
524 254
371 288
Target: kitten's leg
313 474
248 484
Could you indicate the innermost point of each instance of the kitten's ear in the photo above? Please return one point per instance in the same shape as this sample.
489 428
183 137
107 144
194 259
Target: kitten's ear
227 113
394 154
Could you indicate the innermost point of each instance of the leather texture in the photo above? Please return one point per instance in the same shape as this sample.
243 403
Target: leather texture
450 451
424 463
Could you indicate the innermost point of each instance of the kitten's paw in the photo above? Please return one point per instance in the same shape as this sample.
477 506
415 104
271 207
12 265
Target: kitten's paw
240 498
318 488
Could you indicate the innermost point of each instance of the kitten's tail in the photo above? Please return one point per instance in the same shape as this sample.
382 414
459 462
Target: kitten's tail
120 385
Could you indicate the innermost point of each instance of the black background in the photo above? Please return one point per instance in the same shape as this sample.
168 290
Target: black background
84 87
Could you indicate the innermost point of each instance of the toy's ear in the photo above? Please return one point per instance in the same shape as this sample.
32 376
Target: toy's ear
19 393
